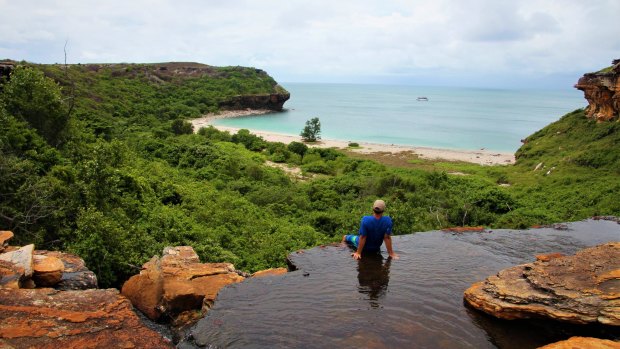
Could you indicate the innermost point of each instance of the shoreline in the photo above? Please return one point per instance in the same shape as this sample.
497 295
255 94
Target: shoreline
480 157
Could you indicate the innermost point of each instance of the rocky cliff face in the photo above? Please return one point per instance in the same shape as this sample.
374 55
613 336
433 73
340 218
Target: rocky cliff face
602 90
273 101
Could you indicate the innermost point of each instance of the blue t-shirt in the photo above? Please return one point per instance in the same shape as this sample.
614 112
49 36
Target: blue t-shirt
375 229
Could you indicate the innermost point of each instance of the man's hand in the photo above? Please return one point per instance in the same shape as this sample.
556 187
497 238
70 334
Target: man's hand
356 255
394 256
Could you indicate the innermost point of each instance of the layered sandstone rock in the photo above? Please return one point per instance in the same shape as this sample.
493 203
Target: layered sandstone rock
583 343
584 288
25 267
177 282
48 318
602 90
270 272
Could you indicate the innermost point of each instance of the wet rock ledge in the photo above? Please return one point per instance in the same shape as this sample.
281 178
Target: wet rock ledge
581 289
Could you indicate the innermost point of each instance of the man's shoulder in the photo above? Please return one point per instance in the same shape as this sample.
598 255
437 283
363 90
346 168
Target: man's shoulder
367 219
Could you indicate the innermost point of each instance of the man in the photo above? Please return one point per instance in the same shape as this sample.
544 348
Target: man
374 231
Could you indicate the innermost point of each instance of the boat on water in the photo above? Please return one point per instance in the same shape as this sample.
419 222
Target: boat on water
425 99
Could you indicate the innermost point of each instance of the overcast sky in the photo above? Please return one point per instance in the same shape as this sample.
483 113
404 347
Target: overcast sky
483 43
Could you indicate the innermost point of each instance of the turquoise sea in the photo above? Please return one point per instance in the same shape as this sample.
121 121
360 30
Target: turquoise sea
452 118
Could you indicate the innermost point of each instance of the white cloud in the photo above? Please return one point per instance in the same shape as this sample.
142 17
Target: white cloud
364 40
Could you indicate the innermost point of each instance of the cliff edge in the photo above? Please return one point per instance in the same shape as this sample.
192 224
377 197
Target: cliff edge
602 90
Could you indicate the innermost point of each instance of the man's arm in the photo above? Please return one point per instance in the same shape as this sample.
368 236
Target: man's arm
388 244
360 248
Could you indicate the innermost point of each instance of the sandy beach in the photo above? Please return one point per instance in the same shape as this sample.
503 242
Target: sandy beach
482 156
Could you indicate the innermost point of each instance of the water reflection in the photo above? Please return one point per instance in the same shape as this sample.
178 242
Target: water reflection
414 302
373 276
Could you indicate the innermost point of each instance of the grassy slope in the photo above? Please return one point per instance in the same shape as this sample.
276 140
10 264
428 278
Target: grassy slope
579 175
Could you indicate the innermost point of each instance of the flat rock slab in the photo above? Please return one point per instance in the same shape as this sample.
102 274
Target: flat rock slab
270 272
48 318
584 288
583 343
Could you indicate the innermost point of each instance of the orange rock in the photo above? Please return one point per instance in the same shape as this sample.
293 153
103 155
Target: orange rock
47 271
47 318
548 256
210 286
177 283
602 90
583 343
180 254
145 290
579 289
4 236
270 272
10 275
188 289
188 271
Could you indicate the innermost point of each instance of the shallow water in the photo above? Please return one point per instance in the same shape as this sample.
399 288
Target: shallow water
452 118
333 301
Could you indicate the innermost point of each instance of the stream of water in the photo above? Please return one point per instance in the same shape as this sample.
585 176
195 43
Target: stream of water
333 301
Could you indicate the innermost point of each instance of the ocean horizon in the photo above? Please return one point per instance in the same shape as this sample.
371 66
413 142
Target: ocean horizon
458 118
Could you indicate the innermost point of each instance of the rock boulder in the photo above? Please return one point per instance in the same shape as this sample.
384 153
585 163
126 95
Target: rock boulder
48 270
584 288
177 282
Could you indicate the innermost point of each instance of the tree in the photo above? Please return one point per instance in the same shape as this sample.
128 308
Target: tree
181 127
36 99
298 148
311 131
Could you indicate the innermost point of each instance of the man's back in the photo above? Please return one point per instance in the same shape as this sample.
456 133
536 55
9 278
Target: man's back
375 229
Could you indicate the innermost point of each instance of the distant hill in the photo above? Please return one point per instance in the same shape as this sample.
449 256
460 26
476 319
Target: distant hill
165 91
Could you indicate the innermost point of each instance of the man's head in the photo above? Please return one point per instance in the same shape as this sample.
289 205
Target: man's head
378 207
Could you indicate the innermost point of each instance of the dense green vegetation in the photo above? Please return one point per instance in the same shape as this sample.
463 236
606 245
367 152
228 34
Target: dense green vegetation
100 160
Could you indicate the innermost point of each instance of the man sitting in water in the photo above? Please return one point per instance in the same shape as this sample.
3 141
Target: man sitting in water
374 230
